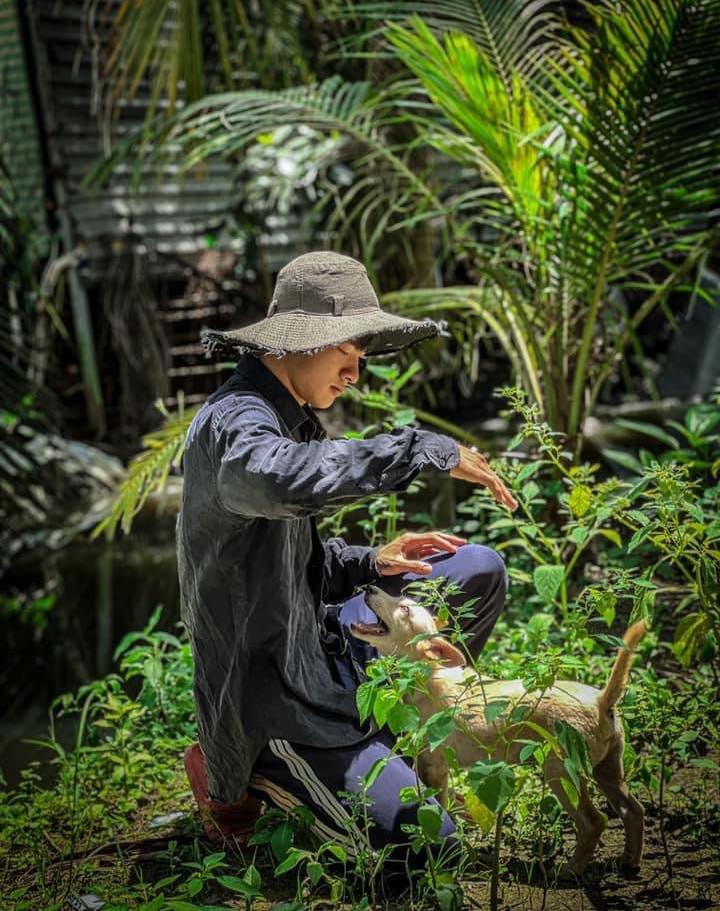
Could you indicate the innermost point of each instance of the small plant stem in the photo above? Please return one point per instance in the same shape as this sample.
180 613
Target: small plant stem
495 879
663 835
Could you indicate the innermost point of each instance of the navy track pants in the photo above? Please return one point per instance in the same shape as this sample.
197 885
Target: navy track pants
324 780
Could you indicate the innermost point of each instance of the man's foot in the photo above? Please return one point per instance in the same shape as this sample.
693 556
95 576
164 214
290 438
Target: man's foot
221 821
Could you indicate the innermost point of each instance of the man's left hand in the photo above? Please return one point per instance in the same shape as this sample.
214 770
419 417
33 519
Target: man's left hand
403 555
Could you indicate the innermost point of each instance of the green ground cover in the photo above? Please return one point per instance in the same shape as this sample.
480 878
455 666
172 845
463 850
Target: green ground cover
587 552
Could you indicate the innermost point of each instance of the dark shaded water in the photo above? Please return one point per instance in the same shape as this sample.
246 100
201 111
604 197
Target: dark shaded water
102 591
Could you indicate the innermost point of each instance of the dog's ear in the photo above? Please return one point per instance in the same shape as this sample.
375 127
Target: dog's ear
439 649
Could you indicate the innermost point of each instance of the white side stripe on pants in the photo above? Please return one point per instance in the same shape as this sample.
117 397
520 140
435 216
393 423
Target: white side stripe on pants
322 795
287 801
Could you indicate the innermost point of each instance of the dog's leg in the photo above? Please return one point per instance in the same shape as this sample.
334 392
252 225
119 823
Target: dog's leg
589 822
610 778
433 771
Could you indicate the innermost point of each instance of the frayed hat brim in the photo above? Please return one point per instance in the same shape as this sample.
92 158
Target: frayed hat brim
298 332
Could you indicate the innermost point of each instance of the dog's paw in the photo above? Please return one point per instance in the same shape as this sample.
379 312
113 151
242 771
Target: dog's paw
567 873
628 866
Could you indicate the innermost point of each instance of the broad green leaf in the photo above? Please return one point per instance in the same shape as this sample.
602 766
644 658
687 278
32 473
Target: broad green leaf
295 856
403 717
649 430
530 490
689 636
493 783
337 851
438 727
625 459
579 535
493 710
385 699
548 580
430 820
281 841
479 813
315 871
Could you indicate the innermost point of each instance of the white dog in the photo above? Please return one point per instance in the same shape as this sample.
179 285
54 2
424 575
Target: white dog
589 710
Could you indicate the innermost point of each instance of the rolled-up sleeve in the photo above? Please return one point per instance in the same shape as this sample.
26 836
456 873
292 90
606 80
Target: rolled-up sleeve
260 472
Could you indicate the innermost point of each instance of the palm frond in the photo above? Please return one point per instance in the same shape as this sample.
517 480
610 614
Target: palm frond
185 49
147 473
639 104
512 34
496 112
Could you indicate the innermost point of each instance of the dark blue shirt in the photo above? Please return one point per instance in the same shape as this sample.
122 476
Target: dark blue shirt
257 584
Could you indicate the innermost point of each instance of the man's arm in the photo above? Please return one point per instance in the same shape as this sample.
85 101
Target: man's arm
347 566
260 472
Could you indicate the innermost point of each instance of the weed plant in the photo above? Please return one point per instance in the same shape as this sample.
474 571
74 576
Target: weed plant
586 553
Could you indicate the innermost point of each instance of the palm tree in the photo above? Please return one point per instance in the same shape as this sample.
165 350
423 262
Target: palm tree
588 168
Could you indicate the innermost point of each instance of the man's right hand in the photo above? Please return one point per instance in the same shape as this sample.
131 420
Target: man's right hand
473 467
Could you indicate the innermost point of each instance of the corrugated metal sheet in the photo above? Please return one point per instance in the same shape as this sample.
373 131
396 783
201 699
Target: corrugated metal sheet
166 219
19 146
165 215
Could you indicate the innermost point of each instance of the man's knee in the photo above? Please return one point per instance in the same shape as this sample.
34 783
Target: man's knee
484 568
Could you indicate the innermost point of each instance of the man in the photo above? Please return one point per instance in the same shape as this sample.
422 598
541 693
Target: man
266 602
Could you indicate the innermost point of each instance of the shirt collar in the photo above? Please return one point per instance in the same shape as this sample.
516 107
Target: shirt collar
293 414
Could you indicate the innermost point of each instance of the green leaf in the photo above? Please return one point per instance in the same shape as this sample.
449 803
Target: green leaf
611 535
403 717
624 459
385 699
430 820
530 490
235 884
295 856
315 871
606 607
493 710
572 792
493 783
548 580
337 851
649 430
580 500
375 770
438 727
578 535
527 471
689 637
404 416
281 841
252 877
364 699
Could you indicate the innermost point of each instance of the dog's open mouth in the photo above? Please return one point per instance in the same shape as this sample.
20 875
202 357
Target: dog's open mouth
370 629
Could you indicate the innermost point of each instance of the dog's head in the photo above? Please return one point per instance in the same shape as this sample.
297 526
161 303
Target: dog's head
400 621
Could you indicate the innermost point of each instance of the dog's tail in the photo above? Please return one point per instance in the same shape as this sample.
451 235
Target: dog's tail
617 681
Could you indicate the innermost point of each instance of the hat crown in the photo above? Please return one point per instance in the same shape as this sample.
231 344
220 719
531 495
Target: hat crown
323 282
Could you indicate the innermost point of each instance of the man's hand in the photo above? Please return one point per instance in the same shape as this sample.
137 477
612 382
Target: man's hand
403 554
474 467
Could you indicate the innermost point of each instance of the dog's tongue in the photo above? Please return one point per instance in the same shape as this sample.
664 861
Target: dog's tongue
369 629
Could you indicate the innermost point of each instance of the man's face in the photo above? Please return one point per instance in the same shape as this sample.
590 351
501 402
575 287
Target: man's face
320 378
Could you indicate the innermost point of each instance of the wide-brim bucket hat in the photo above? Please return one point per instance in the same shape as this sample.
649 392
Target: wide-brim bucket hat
321 299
